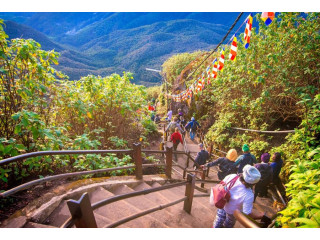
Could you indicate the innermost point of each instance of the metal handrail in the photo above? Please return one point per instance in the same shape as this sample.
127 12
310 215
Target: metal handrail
64 152
134 194
70 222
140 214
67 175
245 220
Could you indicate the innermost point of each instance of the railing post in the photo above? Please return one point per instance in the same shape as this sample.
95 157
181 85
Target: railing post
188 159
189 192
81 212
185 169
203 177
137 159
168 162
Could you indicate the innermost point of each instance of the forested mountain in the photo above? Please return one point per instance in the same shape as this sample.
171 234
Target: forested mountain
104 43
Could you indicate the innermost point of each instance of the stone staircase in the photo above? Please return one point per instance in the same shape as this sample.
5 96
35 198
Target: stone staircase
202 213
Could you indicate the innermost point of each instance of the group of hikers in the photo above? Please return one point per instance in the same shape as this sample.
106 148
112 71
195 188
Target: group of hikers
180 123
253 180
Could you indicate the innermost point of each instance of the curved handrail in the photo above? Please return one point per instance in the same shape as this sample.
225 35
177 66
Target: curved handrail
140 214
70 222
245 220
134 194
64 152
67 175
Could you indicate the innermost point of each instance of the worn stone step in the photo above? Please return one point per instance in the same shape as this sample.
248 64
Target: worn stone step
201 207
59 216
142 203
162 198
117 210
195 220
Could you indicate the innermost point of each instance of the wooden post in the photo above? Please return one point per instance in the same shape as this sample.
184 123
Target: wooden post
137 159
188 159
81 212
203 177
187 164
168 162
189 192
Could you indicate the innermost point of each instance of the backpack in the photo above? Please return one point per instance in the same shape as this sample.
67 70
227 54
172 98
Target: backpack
220 193
194 126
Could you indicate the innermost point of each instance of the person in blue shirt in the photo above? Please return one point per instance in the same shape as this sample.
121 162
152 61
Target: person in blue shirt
276 167
245 158
192 126
202 157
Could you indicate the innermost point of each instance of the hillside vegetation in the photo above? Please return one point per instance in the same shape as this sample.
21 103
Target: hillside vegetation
272 85
42 110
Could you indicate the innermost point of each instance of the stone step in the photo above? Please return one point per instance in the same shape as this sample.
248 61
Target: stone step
142 203
59 216
118 210
195 219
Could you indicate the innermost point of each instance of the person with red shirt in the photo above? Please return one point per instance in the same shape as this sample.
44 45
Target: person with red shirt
176 138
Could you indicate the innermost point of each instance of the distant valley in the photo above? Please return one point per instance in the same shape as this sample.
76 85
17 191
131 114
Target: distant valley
105 43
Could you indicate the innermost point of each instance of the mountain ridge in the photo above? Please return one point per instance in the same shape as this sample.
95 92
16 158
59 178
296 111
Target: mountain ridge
106 43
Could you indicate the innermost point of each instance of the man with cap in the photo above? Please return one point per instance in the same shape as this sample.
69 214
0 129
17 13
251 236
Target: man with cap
246 158
241 198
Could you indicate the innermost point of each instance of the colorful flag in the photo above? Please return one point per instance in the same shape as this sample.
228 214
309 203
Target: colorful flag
198 88
208 74
214 69
267 17
221 61
203 81
247 31
233 49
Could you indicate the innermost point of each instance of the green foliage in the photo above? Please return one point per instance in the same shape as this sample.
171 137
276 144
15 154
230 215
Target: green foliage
273 85
302 169
41 110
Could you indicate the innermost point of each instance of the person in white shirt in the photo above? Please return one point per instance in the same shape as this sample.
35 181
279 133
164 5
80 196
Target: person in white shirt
241 198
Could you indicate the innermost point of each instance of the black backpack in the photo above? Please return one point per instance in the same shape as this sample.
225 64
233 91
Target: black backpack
194 126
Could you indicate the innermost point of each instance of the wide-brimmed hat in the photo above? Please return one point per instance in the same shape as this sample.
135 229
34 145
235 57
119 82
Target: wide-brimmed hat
232 154
251 175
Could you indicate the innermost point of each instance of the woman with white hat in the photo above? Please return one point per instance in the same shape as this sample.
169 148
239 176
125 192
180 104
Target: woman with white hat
241 198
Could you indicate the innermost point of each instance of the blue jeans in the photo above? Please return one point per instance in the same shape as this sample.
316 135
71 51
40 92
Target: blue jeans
224 220
192 135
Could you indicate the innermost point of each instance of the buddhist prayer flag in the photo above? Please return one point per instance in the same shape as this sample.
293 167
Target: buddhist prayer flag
267 17
221 61
203 82
208 74
233 49
214 69
198 88
247 31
